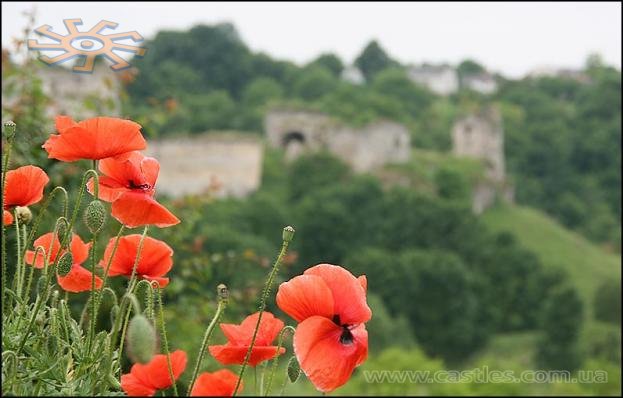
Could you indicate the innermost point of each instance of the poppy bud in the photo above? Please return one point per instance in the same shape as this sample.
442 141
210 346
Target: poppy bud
64 264
23 214
61 230
294 370
95 216
41 284
142 339
222 292
288 234
114 313
9 129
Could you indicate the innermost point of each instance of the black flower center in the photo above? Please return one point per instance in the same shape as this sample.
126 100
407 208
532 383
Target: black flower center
133 185
346 337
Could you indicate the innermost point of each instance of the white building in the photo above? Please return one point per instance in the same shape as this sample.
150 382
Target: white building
442 80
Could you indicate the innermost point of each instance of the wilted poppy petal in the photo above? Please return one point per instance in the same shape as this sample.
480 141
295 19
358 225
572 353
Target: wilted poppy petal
24 186
134 387
96 138
134 209
51 247
304 296
326 361
218 384
156 373
7 217
234 355
349 296
78 280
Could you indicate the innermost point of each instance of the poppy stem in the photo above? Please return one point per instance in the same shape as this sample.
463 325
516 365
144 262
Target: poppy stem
276 360
22 263
18 266
93 319
288 234
163 331
222 303
9 132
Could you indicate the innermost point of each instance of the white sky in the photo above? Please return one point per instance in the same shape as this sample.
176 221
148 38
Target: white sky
511 38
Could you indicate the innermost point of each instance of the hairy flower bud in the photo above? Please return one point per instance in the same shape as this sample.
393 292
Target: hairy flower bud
142 339
294 370
95 216
64 264
23 214
9 129
288 234
222 292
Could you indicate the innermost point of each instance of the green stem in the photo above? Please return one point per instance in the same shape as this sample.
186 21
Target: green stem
22 263
267 287
5 164
276 360
18 266
204 343
93 295
163 332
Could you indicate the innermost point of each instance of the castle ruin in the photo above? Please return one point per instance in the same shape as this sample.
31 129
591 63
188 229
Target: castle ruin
481 136
364 149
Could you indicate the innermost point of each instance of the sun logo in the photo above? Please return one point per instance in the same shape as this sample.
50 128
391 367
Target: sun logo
87 45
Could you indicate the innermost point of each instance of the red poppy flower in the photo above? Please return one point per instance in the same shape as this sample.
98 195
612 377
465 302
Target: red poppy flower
221 383
79 278
137 173
145 380
154 262
239 339
23 187
331 339
95 138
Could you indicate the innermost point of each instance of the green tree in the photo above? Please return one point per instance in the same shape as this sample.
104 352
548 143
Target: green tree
372 60
331 62
561 321
607 302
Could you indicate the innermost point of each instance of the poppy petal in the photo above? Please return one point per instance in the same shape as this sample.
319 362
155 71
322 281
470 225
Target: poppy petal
109 189
63 123
78 280
7 217
150 169
155 260
327 362
96 138
156 373
24 186
221 383
304 296
135 388
348 294
51 247
134 209
364 283
229 354
79 249
243 334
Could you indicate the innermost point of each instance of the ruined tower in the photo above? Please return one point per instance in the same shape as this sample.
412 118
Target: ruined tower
480 135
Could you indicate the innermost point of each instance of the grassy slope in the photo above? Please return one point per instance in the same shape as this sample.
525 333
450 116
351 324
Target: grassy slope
587 264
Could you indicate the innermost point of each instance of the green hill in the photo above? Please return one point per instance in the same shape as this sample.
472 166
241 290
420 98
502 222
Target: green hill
587 264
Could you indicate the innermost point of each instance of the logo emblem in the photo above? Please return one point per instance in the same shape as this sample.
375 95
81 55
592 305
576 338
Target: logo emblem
87 45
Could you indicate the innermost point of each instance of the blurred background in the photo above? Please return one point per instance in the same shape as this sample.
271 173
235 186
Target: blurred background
466 157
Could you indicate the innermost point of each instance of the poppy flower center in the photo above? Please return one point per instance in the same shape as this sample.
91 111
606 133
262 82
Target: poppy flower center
346 337
144 187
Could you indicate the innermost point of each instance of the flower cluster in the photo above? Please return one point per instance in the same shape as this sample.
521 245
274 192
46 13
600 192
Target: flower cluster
328 302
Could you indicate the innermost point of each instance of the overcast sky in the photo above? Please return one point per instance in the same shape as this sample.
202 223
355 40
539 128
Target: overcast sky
511 38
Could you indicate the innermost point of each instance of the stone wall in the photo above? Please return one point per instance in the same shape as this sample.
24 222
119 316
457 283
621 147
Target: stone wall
364 149
222 165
